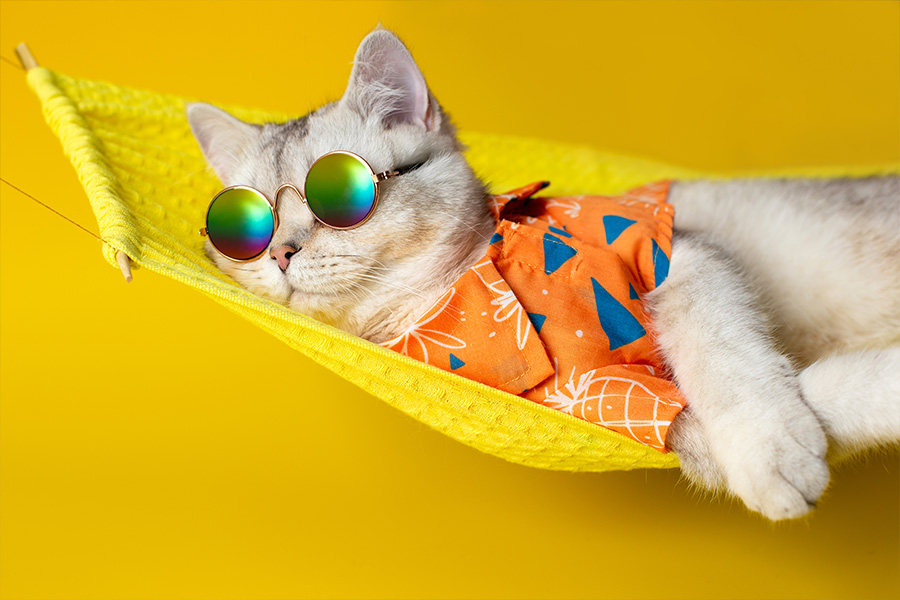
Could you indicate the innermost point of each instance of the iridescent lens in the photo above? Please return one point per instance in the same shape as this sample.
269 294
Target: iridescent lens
240 223
339 190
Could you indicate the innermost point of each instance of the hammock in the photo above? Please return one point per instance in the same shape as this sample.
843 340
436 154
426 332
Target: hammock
149 187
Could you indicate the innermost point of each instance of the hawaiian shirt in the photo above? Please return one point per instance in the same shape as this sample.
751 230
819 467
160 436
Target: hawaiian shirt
553 311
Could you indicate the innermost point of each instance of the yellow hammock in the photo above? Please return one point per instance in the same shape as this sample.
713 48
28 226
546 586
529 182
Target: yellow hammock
149 188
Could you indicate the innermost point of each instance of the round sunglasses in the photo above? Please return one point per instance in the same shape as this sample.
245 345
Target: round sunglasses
341 191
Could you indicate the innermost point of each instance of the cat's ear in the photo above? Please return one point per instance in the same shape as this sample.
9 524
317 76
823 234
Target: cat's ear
387 83
223 138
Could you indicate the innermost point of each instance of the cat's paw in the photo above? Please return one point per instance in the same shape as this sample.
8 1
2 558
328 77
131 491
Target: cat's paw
690 442
778 469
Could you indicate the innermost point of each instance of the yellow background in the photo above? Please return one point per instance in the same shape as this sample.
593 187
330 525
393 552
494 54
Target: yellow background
154 445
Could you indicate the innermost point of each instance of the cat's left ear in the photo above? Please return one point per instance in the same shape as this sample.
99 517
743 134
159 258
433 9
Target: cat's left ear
387 83
225 140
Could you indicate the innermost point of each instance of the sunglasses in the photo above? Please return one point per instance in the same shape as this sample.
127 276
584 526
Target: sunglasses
341 191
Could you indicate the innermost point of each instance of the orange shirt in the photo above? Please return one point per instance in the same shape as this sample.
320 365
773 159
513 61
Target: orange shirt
553 310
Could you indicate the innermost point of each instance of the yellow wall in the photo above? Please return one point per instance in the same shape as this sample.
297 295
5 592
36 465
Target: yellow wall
153 445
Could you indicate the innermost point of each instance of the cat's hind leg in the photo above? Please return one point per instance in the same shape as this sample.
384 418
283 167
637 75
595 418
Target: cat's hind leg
856 396
746 414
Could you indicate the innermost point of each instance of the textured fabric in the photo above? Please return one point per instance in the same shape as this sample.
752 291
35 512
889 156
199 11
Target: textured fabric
553 310
149 186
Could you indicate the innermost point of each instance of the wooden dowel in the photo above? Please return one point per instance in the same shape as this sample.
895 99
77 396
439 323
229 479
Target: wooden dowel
125 265
28 61
26 57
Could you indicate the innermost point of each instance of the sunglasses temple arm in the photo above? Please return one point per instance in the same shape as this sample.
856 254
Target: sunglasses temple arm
379 177
395 172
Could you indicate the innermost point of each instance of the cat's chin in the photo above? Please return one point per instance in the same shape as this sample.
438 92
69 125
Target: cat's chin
328 307
309 302
376 315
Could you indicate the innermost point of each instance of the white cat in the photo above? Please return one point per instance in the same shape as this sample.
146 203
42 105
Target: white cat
780 318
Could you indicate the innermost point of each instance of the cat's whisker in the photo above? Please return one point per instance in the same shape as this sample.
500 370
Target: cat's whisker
353 288
369 258
392 284
451 311
468 226
189 175
377 278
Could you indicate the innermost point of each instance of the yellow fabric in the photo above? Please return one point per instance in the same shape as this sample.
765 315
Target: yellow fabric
149 187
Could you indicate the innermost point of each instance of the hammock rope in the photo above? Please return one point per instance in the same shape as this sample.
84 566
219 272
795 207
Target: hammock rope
53 210
148 185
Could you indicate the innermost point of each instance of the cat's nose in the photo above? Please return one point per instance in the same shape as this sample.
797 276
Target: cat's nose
283 255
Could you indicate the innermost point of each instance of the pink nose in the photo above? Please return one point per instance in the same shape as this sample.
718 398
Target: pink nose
283 255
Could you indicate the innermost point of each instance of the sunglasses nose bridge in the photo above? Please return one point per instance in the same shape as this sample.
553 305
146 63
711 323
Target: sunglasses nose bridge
288 186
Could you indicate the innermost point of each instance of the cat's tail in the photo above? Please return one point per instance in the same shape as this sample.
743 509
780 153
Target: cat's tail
857 398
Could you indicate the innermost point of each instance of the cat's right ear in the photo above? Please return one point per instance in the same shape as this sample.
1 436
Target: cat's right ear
224 139
386 83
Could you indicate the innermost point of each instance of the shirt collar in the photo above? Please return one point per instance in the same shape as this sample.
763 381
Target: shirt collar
499 203
478 328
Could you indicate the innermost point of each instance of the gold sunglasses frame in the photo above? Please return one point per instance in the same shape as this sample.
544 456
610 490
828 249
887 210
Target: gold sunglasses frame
273 206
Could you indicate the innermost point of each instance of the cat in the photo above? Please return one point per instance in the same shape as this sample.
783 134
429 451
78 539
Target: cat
779 320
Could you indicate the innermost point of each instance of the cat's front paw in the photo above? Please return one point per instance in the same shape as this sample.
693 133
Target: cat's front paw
778 468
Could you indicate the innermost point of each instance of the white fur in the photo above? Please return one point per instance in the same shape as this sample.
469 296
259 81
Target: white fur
802 269
762 440
766 277
856 396
823 255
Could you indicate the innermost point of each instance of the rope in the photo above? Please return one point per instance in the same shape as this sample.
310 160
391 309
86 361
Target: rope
51 209
15 64
24 193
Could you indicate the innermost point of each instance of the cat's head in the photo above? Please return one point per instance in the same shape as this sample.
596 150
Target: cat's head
430 223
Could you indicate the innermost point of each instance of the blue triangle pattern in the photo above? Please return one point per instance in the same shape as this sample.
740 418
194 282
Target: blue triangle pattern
614 225
632 293
495 238
537 320
660 264
559 231
455 362
556 253
617 322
